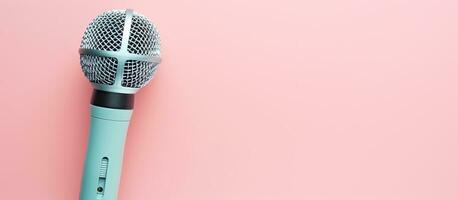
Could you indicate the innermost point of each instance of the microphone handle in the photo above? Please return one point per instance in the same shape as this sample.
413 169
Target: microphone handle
103 163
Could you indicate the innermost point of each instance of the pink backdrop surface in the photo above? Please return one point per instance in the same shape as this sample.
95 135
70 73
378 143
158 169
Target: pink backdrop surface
254 100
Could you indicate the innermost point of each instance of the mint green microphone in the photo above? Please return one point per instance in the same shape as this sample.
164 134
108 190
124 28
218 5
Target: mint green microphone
119 53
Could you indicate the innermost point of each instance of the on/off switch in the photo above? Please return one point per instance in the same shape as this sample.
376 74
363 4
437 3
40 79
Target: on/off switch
102 178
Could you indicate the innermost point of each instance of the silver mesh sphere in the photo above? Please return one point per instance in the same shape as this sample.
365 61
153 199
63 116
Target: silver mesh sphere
120 51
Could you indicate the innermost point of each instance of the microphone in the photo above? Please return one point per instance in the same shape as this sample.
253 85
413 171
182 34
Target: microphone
119 54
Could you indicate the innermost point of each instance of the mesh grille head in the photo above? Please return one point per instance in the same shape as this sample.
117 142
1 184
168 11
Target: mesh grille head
101 70
120 61
137 73
144 38
105 31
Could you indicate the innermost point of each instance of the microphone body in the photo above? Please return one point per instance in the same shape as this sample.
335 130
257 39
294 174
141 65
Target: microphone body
105 152
110 117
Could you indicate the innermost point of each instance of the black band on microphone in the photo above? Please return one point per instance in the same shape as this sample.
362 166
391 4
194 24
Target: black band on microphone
112 100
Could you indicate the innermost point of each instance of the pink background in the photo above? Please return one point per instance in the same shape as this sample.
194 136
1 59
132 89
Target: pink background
254 100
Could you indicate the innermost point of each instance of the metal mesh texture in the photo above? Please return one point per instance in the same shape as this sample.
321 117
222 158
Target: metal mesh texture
105 31
101 70
144 38
137 73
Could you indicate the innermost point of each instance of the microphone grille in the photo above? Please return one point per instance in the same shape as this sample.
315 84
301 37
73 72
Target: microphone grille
120 51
